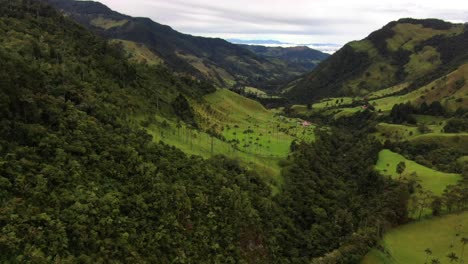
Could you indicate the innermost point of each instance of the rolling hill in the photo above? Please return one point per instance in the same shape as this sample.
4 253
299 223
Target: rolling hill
411 51
224 63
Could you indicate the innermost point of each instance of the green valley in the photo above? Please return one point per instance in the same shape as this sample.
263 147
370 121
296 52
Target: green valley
123 140
238 127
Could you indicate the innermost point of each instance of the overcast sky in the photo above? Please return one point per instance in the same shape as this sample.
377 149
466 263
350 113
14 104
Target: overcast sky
294 21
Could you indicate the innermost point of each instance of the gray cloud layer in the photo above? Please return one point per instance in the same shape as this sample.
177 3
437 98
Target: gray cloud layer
296 21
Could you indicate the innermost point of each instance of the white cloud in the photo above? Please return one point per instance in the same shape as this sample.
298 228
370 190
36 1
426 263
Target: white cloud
296 21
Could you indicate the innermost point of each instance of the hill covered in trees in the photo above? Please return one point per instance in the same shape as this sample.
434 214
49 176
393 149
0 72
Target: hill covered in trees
301 59
81 181
407 51
217 60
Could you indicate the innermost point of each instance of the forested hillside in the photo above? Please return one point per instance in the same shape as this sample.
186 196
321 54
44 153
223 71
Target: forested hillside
300 59
407 51
214 59
81 181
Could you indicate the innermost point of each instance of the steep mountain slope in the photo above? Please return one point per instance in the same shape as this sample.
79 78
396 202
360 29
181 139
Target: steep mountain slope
404 51
215 59
299 59
82 182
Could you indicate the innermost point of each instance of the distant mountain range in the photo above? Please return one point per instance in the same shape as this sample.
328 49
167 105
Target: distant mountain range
408 51
300 58
323 47
257 42
216 60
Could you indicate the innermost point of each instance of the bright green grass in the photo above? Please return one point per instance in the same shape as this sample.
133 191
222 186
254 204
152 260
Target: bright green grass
442 90
333 102
423 62
195 142
105 23
396 132
343 112
331 106
429 179
407 243
407 36
254 90
302 109
387 91
139 52
376 257
399 132
267 142
272 134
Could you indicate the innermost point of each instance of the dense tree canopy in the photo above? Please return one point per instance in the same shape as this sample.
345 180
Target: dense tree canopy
80 183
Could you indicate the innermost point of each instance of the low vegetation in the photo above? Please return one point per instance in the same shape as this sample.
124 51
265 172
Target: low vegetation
107 155
429 179
424 242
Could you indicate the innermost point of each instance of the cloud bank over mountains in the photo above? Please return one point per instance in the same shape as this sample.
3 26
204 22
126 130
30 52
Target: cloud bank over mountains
292 21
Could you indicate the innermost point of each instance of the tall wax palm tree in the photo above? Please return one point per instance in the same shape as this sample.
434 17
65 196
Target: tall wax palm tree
428 252
464 241
452 257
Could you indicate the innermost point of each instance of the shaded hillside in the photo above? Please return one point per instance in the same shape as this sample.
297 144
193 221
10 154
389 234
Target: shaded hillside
408 50
82 182
299 59
215 59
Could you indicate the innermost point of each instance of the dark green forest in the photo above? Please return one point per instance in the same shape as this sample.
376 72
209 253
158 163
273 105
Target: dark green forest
81 183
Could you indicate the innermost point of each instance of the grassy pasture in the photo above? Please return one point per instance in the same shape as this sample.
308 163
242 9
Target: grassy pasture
400 132
429 179
423 62
409 35
396 132
256 91
139 53
105 23
446 90
387 91
264 137
406 244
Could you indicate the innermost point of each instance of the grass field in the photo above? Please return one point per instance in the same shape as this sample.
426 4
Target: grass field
406 244
444 90
258 92
105 23
409 35
139 53
396 131
399 132
257 137
429 179
387 91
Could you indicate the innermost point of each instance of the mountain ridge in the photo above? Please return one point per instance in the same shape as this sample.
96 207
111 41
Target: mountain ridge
407 50
213 59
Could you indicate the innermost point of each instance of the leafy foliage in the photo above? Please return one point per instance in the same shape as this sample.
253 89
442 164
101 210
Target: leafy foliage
456 125
332 191
81 183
